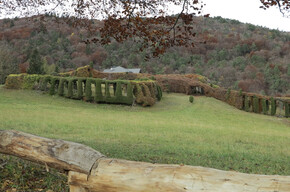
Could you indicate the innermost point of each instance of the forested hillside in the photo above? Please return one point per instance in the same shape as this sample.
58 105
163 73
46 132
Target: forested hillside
229 53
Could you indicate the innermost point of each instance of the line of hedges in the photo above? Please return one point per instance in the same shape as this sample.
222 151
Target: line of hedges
90 89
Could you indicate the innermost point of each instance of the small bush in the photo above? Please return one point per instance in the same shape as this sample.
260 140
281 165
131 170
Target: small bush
191 99
273 106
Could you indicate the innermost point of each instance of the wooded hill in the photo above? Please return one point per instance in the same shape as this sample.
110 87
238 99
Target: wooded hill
231 54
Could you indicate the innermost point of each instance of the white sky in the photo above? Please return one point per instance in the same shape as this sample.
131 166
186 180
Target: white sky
248 11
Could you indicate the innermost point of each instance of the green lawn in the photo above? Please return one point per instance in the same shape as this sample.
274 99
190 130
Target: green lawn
206 133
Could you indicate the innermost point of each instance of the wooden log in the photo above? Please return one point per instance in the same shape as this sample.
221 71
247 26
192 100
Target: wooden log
90 171
112 175
55 153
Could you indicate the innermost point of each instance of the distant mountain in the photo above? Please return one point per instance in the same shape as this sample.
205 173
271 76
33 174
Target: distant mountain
235 55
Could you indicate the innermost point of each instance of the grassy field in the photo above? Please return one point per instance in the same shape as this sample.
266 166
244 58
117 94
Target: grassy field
206 133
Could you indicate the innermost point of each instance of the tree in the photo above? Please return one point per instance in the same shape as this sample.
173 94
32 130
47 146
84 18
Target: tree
8 63
35 63
146 21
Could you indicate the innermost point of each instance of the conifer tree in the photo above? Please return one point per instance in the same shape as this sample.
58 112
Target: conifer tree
35 63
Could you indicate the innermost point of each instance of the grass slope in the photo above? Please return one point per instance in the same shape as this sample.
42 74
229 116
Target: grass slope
206 133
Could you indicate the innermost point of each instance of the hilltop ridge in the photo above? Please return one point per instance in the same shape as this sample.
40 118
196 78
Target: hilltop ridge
233 54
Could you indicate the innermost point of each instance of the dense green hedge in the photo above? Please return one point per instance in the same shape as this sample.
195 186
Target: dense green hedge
247 107
256 104
273 106
287 109
117 91
265 108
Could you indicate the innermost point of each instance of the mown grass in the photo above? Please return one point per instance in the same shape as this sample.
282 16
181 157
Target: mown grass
206 133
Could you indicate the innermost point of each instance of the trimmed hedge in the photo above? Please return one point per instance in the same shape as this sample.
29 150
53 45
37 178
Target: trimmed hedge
99 97
287 109
43 81
273 106
80 88
30 81
54 83
14 81
147 94
70 88
247 108
256 104
60 90
88 90
265 108
159 93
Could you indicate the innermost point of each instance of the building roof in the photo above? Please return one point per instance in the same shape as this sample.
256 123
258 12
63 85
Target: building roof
122 70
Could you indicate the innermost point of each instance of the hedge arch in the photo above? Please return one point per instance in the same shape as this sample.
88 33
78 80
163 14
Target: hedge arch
90 89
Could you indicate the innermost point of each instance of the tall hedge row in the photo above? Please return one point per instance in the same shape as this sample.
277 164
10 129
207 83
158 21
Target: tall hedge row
121 91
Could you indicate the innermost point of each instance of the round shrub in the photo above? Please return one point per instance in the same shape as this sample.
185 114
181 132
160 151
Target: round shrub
191 99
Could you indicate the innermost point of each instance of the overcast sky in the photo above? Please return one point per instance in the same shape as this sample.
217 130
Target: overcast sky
248 11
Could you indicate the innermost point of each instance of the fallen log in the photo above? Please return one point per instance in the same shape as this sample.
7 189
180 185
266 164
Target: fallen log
55 153
90 171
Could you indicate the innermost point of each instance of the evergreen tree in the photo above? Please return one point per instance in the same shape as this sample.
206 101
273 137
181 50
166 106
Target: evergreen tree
35 63
8 61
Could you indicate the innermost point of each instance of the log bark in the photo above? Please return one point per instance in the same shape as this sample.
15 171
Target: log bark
90 171
63 155
115 175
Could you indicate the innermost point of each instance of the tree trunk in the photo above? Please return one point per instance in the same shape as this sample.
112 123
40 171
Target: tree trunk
90 171
115 175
